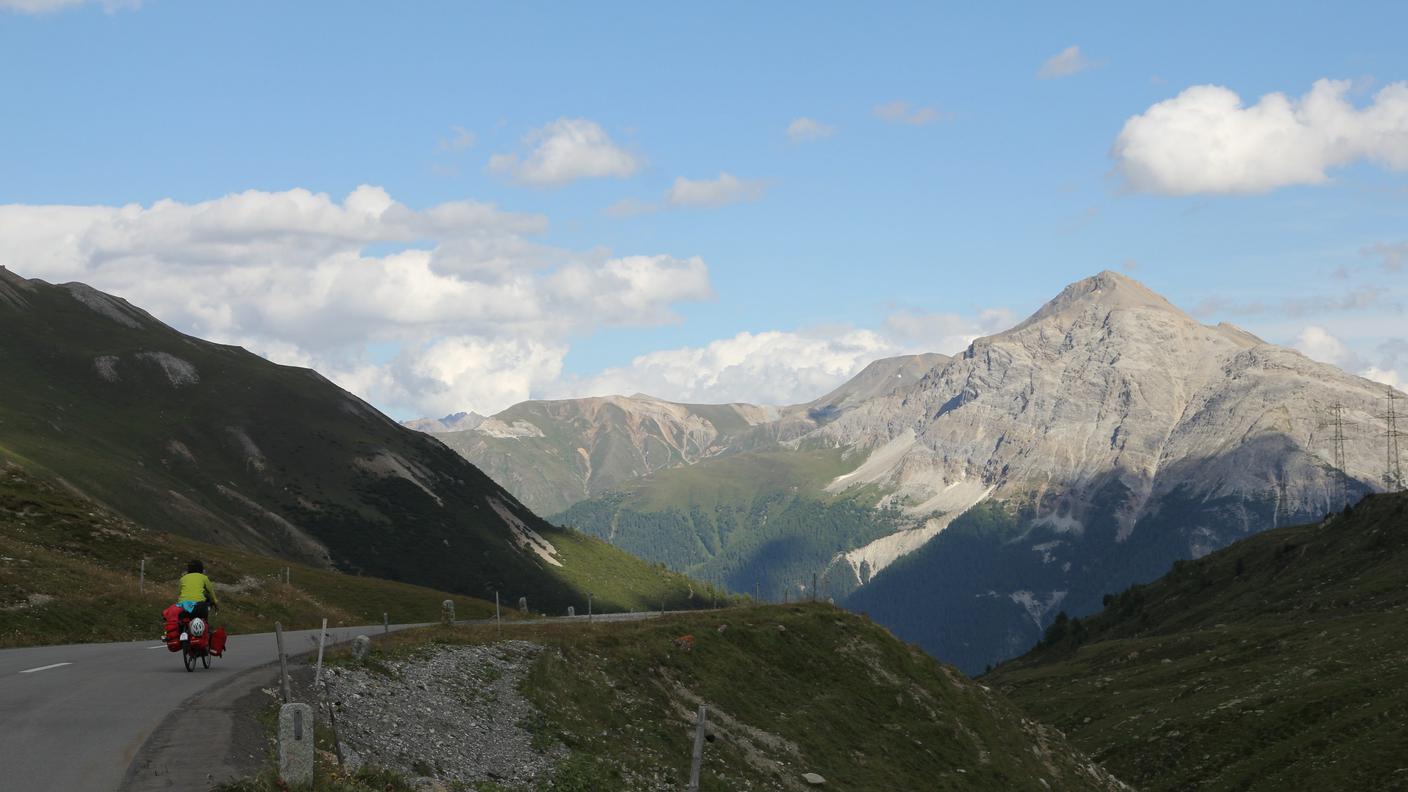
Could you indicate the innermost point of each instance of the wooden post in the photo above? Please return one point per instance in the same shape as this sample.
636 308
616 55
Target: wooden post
498 615
142 576
318 672
698 758
589 607
283 662
813 587
385 625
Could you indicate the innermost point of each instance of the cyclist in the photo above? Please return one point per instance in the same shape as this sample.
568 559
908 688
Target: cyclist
197 595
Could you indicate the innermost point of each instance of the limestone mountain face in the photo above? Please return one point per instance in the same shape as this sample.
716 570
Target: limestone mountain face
552 454
1109 435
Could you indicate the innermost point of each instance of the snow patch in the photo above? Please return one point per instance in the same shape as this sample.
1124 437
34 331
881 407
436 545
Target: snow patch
1035 607
525 537
178 371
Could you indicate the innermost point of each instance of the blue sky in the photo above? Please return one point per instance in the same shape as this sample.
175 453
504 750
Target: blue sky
896 229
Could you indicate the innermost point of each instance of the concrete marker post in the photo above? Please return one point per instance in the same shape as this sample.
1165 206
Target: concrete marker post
296 744
283 662
318 671
698 758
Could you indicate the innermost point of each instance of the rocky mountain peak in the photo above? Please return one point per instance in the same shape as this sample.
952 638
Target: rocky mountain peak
1107 291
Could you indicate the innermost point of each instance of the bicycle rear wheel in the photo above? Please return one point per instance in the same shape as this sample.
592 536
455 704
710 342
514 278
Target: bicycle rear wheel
189 658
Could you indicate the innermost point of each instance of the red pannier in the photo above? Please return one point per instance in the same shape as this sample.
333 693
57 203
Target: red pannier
172 615
217 642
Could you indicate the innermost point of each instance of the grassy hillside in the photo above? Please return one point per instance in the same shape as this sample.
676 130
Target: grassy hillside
219 445
790 690
69 574
1280 662
752 519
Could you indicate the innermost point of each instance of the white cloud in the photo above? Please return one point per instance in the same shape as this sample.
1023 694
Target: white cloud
564 151
1064 63
899 112
1386 376
1205 141
804 129
770 367
725 189
290 275
783 367
1317 343
459 141
946 332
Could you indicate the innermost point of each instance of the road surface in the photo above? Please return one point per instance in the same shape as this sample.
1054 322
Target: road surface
75 717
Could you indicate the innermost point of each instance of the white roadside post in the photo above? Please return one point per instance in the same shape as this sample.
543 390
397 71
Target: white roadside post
589 607
142 576
698 758
283 662
318 671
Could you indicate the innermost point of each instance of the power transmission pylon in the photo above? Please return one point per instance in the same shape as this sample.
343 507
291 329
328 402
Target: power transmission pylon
1393 471
1335 423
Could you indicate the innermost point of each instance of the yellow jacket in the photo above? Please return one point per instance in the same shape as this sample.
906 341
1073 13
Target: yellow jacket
195 587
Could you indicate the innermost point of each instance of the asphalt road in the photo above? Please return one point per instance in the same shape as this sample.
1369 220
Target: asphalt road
73 717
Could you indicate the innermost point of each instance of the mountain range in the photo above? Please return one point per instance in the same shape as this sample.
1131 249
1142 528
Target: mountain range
964 501
185 436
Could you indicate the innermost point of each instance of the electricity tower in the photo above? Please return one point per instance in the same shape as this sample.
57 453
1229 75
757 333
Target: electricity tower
1393 471
1335 423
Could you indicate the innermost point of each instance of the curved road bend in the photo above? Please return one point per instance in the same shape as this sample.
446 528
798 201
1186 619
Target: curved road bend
73 717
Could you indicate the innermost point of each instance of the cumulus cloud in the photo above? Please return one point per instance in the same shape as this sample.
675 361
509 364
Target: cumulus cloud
1206 141
899 112
946 332
1317 343
803 129
566 150
783 367
453 289
1064 63
726 189
770 367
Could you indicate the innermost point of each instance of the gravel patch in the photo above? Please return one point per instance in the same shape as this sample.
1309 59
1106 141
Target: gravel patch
453 713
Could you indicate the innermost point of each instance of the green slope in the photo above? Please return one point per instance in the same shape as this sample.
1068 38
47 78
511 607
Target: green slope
751 522
69 574
215 443
1280 662
789 690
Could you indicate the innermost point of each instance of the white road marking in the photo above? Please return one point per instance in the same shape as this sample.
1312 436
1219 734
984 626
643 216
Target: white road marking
44 668
158 646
